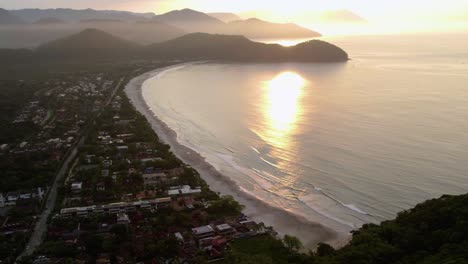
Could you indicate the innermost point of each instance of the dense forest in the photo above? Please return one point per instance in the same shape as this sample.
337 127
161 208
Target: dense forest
433 232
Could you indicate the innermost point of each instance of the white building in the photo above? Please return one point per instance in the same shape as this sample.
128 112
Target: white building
76 187
123 219
183 190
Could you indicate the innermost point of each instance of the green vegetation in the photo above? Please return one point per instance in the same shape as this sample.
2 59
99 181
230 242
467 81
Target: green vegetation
265 249
433 232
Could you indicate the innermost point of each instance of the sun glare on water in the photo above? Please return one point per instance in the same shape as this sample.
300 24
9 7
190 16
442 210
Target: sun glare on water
281 107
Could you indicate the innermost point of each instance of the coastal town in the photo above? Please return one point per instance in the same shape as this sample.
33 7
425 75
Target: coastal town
109 190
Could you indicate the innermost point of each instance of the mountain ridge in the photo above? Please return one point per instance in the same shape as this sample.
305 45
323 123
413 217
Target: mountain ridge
194 46
8 18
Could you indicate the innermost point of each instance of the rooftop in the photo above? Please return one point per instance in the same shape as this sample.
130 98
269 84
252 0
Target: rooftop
202 230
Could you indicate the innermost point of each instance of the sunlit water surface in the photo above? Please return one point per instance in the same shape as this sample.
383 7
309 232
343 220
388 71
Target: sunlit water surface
343 144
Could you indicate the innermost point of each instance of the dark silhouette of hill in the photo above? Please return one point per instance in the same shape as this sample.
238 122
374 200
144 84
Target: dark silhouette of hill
49 21
73 15
90 43
431 233
239 48
7 18
225 17
256 28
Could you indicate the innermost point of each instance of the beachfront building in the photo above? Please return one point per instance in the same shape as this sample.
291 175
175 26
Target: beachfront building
183 190
203 232
225 230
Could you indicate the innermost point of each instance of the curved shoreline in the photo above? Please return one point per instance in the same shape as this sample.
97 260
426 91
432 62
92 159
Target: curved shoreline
284 222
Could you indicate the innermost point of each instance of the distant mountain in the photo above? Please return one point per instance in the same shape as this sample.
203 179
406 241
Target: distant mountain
239 48
100 21
31 35
7 18
144 32
49 21
256 28
89 44
194 21
72 15
340 16
191 21
225 17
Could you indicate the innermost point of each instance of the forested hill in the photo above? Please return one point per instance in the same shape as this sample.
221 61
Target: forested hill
93 44
434 232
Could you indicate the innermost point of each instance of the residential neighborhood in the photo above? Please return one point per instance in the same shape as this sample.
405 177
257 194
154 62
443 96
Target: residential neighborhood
124 198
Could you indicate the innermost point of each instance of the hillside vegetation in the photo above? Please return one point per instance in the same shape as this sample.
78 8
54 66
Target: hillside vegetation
434 232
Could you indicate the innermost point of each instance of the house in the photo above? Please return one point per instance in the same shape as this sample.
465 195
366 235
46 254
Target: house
100 186
11 198
203 232
122 148
225 230
154 179
107 163
122 219
76 187
179 237
163 202
183 190
3 147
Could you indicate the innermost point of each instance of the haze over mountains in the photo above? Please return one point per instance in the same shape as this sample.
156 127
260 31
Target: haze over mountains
225 17
7 18
194 21
28 28
72 15
340 16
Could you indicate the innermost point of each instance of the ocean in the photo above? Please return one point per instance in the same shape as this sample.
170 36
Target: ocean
342 144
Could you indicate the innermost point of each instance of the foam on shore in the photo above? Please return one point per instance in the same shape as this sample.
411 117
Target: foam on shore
284 222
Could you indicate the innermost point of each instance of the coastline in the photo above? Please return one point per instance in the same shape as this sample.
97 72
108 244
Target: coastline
284 222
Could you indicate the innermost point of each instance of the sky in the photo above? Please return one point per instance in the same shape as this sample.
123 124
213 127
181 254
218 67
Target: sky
396 15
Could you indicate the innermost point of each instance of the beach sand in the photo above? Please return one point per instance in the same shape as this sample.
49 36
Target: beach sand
282 221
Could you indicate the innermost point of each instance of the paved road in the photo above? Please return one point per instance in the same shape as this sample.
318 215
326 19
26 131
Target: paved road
41 225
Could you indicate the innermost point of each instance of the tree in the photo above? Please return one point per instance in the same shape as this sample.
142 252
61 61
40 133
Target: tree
325 250
292 243
225 206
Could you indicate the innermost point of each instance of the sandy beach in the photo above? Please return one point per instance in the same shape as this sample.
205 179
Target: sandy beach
283 222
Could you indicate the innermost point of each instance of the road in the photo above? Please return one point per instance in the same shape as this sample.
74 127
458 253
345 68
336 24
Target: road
40 227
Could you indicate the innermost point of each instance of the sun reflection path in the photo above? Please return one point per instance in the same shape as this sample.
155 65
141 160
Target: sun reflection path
282 108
